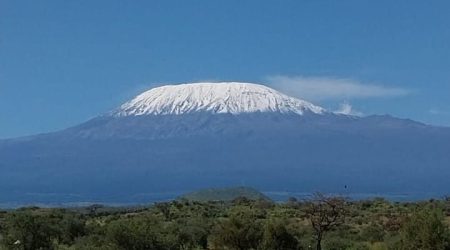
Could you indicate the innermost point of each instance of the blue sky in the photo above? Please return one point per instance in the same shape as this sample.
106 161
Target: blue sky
63 62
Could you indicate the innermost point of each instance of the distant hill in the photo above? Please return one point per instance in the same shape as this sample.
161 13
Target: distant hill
224 194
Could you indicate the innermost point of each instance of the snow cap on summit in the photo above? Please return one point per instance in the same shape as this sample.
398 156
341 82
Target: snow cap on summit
216 98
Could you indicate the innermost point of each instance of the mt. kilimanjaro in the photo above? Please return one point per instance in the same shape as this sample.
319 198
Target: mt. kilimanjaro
178 138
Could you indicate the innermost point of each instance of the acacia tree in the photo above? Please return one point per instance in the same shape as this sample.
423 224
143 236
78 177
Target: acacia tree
325 213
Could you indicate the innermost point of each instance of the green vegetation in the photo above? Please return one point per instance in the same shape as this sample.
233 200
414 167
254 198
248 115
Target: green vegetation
224 194
318 223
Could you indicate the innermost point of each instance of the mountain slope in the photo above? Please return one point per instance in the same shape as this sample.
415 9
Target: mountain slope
131 157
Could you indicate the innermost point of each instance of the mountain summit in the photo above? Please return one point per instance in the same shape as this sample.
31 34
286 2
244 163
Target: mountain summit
216 98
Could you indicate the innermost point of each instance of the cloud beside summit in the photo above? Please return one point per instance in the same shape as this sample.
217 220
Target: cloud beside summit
328 88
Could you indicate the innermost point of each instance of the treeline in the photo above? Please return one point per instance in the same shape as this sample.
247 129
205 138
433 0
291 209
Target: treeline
321 222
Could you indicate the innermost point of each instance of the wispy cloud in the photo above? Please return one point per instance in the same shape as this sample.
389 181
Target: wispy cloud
328 88
347 109
435 111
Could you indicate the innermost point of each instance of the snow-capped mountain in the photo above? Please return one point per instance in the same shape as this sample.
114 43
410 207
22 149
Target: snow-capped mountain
215 98
189 136
198 109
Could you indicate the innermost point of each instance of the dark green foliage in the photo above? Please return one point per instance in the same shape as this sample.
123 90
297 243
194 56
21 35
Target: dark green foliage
137 233
373 232
425 229
190 236
277 237
27 231
242 230
164 208
336 243
239 224
33 228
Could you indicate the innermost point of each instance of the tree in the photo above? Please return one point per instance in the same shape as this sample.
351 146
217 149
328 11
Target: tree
137 233
242 231
277 237
192 234
164 208
325 213
29 231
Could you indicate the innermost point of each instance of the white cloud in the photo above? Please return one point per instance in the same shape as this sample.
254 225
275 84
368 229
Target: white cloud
347 109
328 88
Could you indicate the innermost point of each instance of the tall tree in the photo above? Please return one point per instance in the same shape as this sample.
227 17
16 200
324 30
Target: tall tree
325 213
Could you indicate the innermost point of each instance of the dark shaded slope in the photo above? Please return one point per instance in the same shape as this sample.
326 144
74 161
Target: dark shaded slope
125 159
